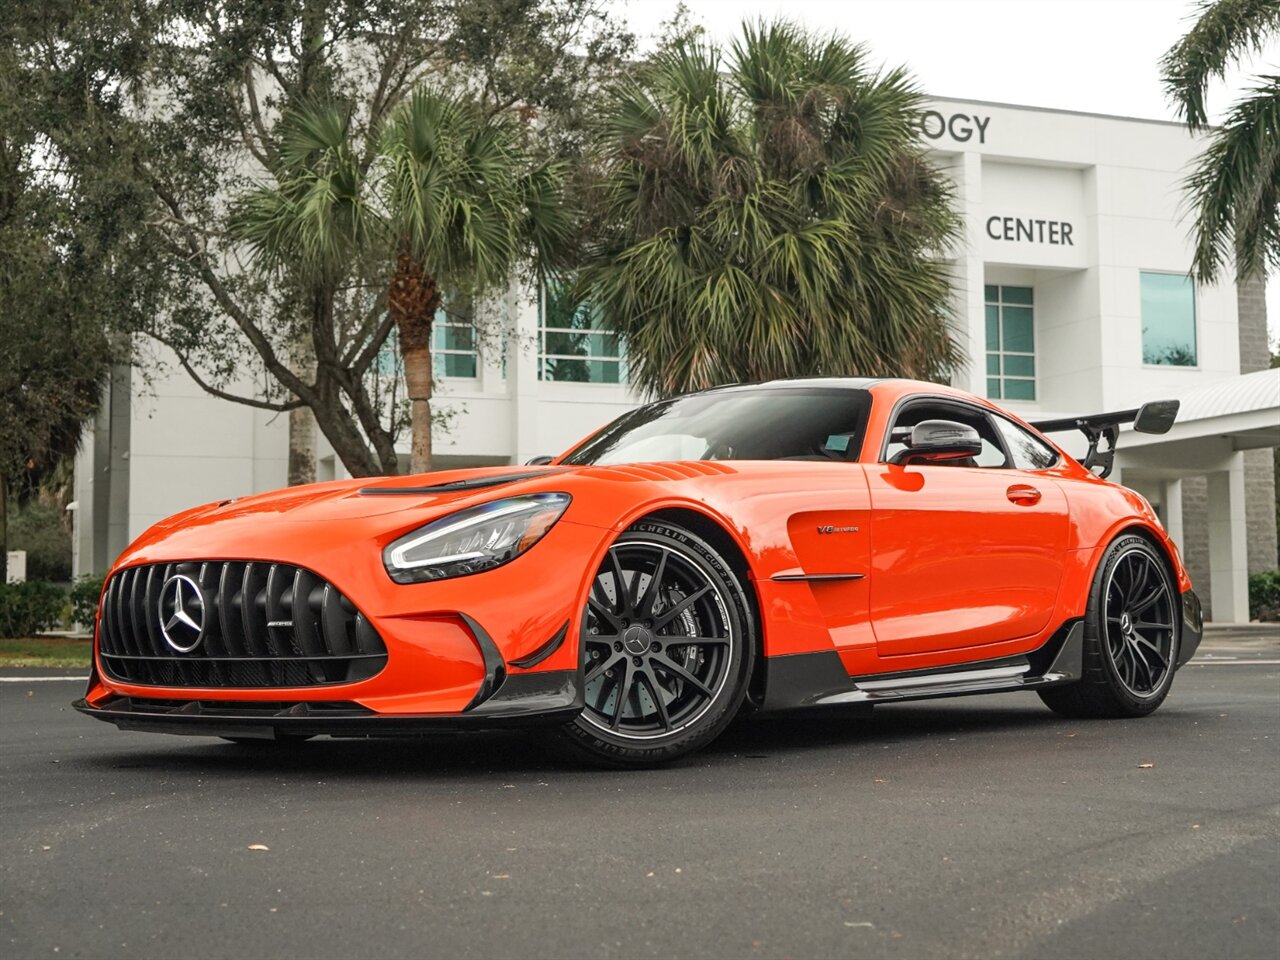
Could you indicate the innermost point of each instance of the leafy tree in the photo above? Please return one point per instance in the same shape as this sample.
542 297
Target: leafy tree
1235 186
165 109
58 291
769 216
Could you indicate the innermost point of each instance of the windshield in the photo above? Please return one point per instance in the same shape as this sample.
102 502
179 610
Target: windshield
788 423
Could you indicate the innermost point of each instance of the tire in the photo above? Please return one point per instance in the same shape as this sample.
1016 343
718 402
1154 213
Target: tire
652 693
1131 635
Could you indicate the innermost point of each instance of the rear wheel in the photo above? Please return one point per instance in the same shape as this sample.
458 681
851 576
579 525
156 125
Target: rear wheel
667 648
1130 637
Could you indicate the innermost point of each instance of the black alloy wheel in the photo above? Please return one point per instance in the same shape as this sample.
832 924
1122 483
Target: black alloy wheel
1140 622
1131 635
666 648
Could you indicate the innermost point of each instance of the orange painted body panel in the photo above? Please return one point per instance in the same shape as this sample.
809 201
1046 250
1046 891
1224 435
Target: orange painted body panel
954 570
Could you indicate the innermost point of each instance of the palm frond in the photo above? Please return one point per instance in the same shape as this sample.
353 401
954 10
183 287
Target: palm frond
1225 31
1235 188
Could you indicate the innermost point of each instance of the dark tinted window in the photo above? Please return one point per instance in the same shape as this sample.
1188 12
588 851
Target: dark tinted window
789 423
1029 452
992 454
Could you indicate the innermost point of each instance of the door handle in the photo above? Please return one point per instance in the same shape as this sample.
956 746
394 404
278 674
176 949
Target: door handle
1023 495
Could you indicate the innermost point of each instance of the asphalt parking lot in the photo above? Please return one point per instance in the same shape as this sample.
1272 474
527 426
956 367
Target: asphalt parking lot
984 827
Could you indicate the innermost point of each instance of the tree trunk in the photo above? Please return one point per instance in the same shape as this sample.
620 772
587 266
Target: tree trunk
302 421
413 300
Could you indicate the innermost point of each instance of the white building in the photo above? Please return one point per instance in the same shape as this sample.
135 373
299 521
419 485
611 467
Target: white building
1072 297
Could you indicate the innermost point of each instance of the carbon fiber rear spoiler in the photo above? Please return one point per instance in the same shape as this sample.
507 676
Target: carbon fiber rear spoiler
1156 416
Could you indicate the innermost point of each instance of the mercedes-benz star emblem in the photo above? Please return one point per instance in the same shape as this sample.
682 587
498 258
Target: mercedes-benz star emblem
181 613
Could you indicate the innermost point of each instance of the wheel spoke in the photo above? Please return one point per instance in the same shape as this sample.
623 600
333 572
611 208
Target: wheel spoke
1143 642
644 606
625 606
623 688
1147 625
680 607
601 666
655 691
1138 576
1150 598
663 662
607 615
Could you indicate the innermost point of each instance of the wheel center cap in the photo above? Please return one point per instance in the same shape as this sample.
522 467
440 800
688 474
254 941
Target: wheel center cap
1126 623
636 639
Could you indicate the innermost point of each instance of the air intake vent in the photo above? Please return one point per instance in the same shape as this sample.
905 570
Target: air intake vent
233 624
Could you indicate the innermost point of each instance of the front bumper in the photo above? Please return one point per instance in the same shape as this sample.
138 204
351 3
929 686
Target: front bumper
528 699
1192 626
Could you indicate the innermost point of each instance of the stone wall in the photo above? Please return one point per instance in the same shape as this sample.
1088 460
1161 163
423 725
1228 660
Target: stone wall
1259 465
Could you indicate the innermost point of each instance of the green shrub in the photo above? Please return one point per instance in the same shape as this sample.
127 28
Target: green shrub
27 608
1264 595
40 529
84 598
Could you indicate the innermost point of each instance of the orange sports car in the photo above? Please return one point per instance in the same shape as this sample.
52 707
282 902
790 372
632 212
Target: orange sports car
796 544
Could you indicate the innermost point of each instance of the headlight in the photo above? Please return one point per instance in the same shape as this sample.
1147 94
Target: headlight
473 540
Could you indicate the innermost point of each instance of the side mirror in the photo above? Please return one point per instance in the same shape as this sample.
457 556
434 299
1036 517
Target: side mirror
937 441
538 461
1156 416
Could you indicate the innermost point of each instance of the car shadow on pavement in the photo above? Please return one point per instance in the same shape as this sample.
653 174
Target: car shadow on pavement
489 753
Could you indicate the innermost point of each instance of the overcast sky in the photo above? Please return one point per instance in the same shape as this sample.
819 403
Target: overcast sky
1099 56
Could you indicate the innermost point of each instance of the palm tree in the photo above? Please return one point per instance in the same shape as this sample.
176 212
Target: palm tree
451 204
1235 186
770 216
465 204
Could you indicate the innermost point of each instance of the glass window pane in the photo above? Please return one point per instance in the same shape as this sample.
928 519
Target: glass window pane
1018 329
993 388
993 327
454 337
455 364
1016 295
1016 365
603 371
1168 319
1019 389
1029 453
560 342
992 293
993 364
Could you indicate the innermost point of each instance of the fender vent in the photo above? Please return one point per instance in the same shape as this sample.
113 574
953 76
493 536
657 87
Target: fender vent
252 625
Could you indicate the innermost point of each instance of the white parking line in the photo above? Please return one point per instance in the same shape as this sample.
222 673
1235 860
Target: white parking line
40 679
1230 662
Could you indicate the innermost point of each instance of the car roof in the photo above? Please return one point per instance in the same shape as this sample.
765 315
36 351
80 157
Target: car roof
890 386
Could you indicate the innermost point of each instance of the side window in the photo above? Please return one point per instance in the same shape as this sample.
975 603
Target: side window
1028 452
992 454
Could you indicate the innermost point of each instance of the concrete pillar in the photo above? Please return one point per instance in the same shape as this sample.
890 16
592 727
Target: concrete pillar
1228 549
1173 512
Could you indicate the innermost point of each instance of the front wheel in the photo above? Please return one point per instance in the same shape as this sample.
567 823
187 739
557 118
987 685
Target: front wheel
1130 637
667 648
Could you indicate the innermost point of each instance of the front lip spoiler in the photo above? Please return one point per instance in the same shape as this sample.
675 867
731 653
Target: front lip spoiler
526 699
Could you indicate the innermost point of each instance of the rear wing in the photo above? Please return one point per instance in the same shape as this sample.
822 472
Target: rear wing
1157 416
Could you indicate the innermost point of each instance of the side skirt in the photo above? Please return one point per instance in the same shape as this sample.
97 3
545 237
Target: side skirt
803 680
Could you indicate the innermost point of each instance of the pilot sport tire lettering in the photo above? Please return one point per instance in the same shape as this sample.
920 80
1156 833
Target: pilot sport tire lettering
667 648
1131 636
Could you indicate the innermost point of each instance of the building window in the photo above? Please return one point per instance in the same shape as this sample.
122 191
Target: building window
573 343
1011 343
1168 319
453 347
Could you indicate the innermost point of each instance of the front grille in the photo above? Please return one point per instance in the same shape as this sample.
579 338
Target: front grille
265 625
